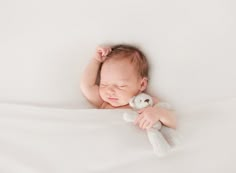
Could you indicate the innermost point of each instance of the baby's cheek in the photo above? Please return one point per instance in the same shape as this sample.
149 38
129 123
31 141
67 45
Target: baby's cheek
101 92
127 96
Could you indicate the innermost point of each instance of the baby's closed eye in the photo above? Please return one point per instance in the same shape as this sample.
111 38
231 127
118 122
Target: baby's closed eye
122 86
118 86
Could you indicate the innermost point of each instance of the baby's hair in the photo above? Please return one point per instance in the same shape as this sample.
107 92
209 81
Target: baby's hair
134 54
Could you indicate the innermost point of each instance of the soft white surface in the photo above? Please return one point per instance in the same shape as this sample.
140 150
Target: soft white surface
45 44
45 140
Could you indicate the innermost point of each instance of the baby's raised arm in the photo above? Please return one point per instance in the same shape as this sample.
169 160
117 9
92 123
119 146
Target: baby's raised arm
88 84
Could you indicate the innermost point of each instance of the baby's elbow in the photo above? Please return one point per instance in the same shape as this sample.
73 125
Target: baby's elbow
82 87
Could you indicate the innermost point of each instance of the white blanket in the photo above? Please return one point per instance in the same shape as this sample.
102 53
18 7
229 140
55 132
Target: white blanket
55 140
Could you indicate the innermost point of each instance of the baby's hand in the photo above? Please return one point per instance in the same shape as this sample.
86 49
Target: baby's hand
147 117
101 53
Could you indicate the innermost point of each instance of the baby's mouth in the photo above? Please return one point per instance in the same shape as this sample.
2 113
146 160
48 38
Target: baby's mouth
112 98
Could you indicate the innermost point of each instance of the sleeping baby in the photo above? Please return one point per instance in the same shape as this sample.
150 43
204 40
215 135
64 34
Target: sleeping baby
114 75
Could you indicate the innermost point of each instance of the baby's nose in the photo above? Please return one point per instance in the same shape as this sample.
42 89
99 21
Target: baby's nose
110 89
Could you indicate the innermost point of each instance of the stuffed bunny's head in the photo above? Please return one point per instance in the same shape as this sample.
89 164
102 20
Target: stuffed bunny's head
140 101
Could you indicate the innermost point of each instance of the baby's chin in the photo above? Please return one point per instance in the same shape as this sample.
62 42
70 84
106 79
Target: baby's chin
117 104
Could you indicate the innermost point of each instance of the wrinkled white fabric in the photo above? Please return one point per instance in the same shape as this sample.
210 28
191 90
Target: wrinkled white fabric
47 140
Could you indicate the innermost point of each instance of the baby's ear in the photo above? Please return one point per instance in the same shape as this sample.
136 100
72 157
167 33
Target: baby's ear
144 83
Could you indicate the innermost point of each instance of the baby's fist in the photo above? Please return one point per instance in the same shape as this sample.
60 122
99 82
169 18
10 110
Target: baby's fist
101 53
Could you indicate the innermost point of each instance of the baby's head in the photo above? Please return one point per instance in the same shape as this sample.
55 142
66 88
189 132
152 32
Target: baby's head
123 75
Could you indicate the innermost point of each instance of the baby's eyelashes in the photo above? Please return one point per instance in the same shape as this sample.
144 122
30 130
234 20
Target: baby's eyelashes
115 86
122 86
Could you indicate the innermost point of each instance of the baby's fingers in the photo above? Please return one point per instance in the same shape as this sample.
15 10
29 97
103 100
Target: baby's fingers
145 124
106 51
142 122
102 52
149 125
137 120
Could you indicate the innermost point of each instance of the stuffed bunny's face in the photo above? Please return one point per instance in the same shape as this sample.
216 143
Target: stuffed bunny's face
141 101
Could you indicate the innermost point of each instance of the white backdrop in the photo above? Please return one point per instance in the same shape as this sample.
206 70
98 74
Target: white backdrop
44 45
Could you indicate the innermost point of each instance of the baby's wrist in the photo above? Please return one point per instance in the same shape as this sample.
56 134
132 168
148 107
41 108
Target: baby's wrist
98 59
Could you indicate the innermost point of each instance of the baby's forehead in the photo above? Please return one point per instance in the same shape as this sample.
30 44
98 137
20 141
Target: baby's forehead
117 61
119 66
119 72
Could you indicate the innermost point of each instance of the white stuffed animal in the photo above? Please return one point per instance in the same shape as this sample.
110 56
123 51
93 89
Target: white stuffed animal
162 138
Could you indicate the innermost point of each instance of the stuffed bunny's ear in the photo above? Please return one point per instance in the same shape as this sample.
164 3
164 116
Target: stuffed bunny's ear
131 102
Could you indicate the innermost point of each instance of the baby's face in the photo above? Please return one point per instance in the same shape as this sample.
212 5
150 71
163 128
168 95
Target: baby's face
119 82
